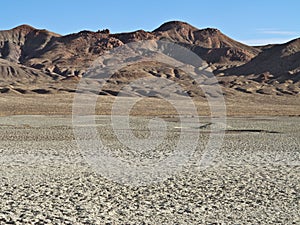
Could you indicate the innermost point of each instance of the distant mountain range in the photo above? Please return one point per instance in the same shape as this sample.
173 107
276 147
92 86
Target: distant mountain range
29 57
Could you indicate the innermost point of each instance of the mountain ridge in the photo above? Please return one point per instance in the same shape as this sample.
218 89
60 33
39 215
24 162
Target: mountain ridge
250 69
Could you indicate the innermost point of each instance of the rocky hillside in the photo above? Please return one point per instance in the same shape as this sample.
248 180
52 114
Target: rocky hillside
29 55
281 61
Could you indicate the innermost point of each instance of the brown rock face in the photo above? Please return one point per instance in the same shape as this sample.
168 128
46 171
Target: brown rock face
139 35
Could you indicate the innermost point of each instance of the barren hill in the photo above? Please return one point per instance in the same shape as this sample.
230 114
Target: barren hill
39 59
282 61
211 44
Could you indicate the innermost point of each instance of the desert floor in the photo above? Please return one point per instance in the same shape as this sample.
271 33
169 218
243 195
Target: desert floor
237 105
45 176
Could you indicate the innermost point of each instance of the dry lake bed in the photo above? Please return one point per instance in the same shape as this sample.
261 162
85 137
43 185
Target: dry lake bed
254 178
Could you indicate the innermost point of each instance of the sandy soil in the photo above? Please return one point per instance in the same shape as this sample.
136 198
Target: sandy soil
61 104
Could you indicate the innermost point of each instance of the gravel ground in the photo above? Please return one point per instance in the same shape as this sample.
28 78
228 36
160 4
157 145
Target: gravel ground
254 178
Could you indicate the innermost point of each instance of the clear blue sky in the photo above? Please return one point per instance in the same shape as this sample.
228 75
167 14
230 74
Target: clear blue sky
252 22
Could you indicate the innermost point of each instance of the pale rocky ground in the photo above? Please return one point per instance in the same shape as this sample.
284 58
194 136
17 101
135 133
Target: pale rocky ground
254 178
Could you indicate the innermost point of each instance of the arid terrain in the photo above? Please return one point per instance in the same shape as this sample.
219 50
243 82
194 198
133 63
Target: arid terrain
41 69
254 177
47 177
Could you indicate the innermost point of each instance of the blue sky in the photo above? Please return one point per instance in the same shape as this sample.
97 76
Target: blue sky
252 22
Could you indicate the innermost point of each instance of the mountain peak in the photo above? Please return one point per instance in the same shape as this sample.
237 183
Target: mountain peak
24 27
175 25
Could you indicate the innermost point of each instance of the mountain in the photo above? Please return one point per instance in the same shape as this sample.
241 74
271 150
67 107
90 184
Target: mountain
281 61
30 57
211 44
24 42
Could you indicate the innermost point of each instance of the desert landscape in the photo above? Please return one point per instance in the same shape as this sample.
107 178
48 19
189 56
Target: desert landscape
47 177
37 63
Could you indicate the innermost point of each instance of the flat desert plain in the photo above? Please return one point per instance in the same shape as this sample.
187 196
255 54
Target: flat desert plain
252 179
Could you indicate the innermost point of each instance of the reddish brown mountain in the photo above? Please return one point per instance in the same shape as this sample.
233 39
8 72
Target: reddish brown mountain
212 45
281 61
29 54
